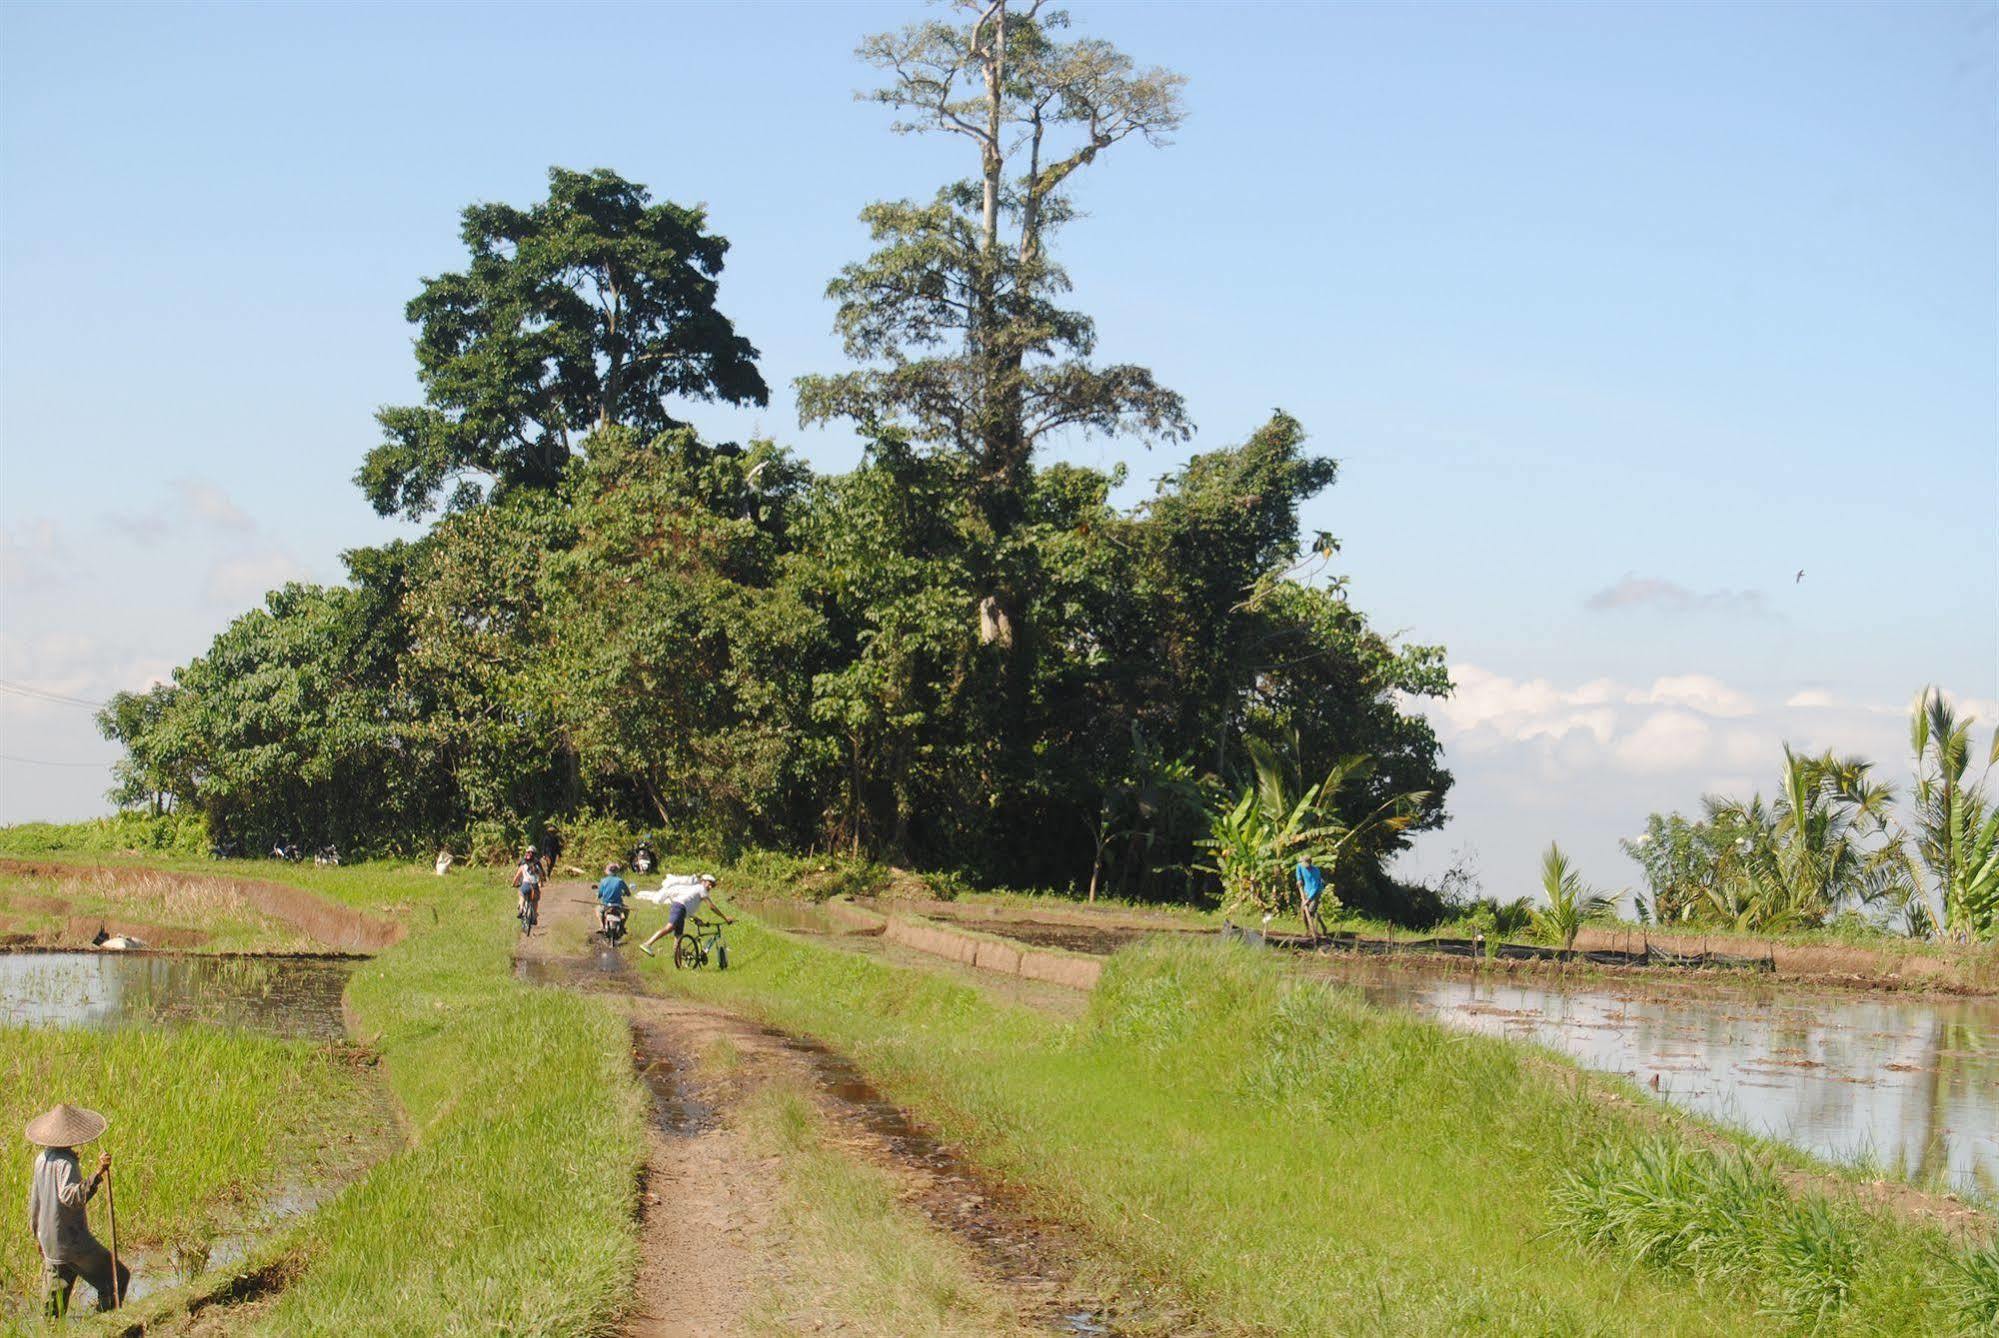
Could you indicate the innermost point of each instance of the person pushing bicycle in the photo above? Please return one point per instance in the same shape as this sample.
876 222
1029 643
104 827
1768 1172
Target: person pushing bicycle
680 905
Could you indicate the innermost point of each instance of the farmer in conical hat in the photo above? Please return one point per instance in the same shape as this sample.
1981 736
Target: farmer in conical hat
57 1199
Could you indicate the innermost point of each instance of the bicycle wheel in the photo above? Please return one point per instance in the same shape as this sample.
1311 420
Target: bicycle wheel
687 953
721 957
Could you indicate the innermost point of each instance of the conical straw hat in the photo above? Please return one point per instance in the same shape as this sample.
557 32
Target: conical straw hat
66 1126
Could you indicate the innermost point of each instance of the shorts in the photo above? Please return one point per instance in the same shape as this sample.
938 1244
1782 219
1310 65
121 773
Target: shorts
676 919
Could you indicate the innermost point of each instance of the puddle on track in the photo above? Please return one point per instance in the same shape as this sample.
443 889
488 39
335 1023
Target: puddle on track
295 997
1911 1083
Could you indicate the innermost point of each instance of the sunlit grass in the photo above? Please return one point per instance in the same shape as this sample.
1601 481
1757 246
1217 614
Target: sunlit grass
205 1124
511 1212
847 1250
1291 1158
44 906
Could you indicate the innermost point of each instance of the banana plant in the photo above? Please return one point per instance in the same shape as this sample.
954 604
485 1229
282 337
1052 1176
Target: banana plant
1255 838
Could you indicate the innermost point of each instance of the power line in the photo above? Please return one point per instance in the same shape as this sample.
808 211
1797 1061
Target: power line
37 762
43 694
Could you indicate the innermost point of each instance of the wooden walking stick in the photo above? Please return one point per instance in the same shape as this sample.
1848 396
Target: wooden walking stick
111 1205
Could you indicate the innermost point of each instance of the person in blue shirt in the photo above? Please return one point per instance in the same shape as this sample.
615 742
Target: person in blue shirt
1311 886
611 892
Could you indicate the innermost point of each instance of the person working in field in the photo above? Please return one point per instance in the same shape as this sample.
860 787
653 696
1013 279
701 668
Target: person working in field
682 901
611 892
58 1201
1311 886
527 881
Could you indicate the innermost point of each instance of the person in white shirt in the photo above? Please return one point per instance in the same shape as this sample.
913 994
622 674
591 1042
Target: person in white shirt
683 901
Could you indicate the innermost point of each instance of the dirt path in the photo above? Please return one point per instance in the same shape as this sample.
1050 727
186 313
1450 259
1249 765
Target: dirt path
709 1195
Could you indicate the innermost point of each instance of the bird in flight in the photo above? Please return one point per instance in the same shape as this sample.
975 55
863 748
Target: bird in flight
1801 575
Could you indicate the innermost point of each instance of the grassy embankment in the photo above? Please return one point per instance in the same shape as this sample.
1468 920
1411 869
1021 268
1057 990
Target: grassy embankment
204 1123
523 1123
200 914
1295 1160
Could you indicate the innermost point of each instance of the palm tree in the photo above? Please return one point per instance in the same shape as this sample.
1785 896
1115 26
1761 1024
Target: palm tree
1826 843
1954 830
1572 903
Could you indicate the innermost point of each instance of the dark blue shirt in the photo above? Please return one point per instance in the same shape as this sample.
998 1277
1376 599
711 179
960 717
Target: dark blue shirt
612 890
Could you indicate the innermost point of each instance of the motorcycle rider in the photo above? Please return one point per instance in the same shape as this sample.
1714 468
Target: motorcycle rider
611 892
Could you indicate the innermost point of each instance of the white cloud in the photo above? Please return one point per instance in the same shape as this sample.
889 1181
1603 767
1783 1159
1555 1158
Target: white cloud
1656 592
1666 741
243 579
33 554
208 502
1710 696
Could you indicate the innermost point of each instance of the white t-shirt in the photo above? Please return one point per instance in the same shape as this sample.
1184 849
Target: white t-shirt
670 888
691 898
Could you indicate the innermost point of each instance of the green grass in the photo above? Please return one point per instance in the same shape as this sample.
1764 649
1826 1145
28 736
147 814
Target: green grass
508 1208
511 1211
1287 1157
846 1247
42 906
205 1125
1296 1160
1809 1262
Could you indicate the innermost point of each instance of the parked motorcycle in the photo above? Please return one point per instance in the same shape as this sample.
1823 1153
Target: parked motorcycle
643 859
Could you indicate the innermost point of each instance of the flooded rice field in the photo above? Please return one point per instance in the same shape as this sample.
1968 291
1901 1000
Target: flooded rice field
292 997
1910 1084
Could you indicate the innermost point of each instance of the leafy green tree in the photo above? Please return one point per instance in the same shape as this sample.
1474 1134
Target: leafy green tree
956 317
592 307
1682 866
1572 903
675 663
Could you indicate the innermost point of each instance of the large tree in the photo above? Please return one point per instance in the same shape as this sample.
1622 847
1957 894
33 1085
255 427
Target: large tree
955 316
592 307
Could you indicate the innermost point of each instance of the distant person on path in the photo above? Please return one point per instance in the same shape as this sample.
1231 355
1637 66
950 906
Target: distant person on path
1311 886
527 880
58 1199
683 900
611 892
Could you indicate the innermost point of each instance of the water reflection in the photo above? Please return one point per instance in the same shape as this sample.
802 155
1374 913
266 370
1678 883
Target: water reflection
293 997
1908 1083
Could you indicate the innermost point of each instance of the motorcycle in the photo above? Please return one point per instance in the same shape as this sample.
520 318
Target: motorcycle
643 860
614 924
286 851
327 857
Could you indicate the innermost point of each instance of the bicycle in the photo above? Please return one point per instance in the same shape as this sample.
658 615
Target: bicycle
529 913
700 941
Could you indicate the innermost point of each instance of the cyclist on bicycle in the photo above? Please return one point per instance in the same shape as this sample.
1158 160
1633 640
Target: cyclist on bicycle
611 892
527 880
684 903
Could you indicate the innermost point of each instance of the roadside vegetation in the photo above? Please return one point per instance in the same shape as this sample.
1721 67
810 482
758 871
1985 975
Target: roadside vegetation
64 909
844 1245
1838 846
1286 1156
207 1125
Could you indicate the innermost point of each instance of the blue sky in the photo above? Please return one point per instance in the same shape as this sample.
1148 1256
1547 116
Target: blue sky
1617 316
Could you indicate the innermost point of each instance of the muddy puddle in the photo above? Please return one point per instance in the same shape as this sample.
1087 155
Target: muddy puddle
297 998
1908 1084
